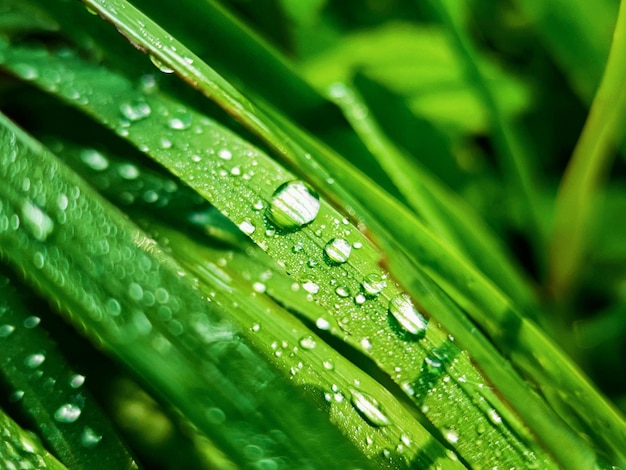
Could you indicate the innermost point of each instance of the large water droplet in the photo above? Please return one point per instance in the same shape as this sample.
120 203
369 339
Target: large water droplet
293 205
67 413
373 285
77 381
401 308
368 408
135 110
337 250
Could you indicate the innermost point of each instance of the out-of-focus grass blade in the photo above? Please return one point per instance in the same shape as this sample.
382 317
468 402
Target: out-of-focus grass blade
368 306
592 157
510 148
446 215
49 392
578 35
242 275
22 449
124 292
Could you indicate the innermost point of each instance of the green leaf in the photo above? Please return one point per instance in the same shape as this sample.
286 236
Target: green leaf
148 312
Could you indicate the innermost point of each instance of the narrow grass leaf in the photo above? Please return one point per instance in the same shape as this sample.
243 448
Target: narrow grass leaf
245 185
123 291
22 449
48 391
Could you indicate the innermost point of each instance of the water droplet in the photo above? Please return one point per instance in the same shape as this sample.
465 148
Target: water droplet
359 299
77 380
161 295
307 342
34 360
368 408
26 71
342 291
89 438
225 154
32 321
6 330
180 121
67 413
322 323
373 284
16 396
259 287
328 364
39 223
451 436
135 110
94 159
166 143
337 250
494 416
293 205
135 291
247 227
128 171
113 307
366 344
402 310
160 65
310 287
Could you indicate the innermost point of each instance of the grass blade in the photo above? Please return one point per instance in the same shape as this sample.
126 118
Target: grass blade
185 346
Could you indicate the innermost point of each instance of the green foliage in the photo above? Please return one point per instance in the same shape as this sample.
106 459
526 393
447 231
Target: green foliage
309 253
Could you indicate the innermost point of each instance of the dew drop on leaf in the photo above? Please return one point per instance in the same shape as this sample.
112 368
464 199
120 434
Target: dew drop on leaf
6 330
373 284
39 223
368 408
135 110
307 342
89 438
34 360
401 308
160 65
293 205
94 159
77 380
67 413
337 250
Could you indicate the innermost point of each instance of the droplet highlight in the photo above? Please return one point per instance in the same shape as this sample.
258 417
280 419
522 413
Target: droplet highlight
368 408
293 205
401 308
337 250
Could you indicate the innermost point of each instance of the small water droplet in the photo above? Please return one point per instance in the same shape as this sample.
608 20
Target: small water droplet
135 110
373 284
6 330
16 396
359 299
160 65
494 416
293 205
94 159
402 310
337 250
342 291
166 143
307 342
128 171
32 321
366 344
77 380
256 328
135 291
310 287
225 154
39 223
247 227
89 438
451 436
328 364
322 323
67 413
180 121
26 71
259 287
368 408
34 360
